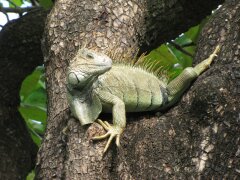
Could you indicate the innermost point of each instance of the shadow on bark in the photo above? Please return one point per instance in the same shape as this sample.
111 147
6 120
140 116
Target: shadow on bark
20 53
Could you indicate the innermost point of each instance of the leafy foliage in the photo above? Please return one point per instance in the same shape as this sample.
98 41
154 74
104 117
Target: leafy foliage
33 104
31 175
46 3
14 3
18 3
171 58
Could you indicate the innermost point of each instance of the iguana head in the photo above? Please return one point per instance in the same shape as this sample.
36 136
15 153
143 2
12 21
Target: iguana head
86 66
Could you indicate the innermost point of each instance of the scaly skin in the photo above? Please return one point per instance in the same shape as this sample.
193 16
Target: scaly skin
95 86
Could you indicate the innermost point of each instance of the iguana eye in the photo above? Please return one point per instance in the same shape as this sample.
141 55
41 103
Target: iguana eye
90 56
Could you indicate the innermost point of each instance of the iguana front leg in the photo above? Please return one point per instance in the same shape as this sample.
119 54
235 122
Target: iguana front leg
119 118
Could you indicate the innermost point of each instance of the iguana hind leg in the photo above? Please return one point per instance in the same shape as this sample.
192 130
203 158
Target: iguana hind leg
177 86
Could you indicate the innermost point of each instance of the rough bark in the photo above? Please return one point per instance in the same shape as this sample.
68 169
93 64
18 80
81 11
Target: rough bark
20 53
190 140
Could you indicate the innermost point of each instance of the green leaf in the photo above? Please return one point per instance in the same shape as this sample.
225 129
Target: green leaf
161 62
183 40
35 137
30 113
47 4
35 127
193 33
33 104
31 175
16 2
162 56
31 83
183 59
36 98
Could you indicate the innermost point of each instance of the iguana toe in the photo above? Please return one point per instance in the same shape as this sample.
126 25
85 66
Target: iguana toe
113 131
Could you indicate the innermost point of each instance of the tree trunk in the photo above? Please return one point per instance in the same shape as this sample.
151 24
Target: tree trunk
20 53
198 137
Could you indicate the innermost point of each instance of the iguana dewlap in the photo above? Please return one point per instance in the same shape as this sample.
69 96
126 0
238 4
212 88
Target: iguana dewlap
96 85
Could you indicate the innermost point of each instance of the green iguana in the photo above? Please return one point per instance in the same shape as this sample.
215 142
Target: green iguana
96 85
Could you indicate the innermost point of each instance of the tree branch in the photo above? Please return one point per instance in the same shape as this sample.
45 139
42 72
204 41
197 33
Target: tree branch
17 9
19 44
34 3
180 48
6 15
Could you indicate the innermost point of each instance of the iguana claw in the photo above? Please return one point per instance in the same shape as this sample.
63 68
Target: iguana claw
113 131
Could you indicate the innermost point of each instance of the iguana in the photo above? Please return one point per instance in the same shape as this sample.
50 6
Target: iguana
95 85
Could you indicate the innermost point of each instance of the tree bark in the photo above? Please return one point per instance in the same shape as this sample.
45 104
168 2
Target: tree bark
20 53
190 140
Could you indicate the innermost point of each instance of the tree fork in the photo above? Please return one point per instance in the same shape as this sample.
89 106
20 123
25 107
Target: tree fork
166 147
